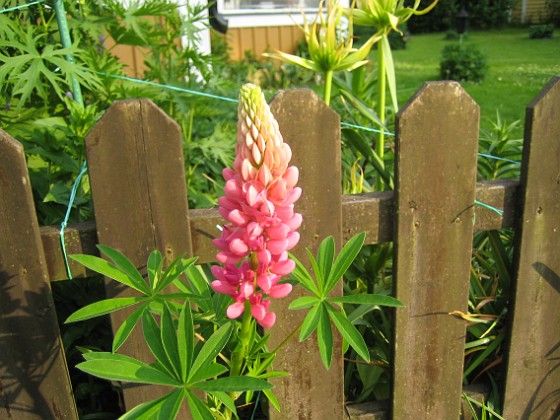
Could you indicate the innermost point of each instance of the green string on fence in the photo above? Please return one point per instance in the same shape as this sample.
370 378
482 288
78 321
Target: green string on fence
21 6
361 127
176 88
489 207
499 158
67 216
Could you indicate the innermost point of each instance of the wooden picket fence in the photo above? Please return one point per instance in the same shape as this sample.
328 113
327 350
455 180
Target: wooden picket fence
136 171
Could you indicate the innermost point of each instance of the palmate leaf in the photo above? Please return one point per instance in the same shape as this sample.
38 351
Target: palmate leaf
155 265
199 410
373 300
185 339
310 322
107 269
164 408
127 326
233 384
324 336
346 256
169 340
126 266
211 348
349 332
325 257
175 269
119 367
152 335
37 62
302 276
304 302
103 307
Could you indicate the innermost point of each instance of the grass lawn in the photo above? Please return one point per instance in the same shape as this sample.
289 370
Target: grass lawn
518 68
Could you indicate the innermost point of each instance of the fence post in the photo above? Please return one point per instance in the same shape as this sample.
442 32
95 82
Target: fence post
34 380
312 130
437 137
136 168
533 363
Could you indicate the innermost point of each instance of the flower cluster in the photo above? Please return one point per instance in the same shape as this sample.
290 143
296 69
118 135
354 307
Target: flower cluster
258 203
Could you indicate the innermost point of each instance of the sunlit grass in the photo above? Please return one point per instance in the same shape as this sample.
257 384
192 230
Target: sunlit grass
518 68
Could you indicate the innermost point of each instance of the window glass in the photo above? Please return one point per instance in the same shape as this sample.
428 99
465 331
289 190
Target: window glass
269 4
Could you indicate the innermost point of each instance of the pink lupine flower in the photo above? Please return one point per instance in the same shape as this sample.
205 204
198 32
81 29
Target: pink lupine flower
258 205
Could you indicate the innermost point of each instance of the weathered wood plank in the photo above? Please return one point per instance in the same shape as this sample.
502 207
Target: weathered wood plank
435 191
370 212
533 363
34 380
136 170
313 132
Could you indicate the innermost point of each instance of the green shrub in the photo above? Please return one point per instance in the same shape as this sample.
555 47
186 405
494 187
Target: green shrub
462 62
541 31
483 14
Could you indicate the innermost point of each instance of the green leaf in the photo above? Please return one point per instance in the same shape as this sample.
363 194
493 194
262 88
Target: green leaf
126 266
198 280
210 371
346 256
482 356
199 410
310 322
374 300
226 400
318 273
169 340
152 335
304 302
174 270
118 367
294 59
390 70
102 266
127 326
166 407
103 307
272 399
155 264
185 339
233 384
325 337
301 274
349 332
211 348
325 257
360 142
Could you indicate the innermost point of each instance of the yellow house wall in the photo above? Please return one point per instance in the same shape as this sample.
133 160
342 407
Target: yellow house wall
535 11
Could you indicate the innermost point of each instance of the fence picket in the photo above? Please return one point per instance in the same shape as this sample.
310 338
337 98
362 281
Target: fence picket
136 168
533 363
437 136
312 130
34 380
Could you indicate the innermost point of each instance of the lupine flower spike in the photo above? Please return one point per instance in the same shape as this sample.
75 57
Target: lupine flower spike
258 205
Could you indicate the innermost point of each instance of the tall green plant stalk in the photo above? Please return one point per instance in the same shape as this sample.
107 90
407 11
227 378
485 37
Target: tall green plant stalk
382 87
328 87
238 356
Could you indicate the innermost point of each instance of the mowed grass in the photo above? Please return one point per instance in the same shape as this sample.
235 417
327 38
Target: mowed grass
518 68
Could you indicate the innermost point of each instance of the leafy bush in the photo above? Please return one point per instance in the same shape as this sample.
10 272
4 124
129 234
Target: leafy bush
462 62
541 31
484 14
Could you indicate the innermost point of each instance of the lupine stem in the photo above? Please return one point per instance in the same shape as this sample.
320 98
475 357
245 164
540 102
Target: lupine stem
328 86
238 356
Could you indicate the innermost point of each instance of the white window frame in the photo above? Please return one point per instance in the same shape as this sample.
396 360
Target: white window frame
253 18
